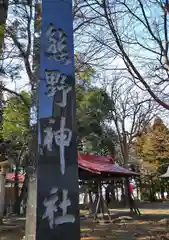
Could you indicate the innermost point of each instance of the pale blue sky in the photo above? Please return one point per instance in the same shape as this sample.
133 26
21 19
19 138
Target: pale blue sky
23 82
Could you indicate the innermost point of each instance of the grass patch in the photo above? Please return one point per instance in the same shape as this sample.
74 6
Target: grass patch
82 230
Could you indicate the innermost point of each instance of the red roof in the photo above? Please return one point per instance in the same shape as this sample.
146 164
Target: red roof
11 177
92 163
101 164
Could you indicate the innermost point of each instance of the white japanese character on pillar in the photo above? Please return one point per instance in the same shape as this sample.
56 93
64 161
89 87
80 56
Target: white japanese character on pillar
65 218
62 139
58 45
48 139
52 208
55 81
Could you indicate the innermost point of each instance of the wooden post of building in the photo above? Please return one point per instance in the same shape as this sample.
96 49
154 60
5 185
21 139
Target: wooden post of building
2 194
57 184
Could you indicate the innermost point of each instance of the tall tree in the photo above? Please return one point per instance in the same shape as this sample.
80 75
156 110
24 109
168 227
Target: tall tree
153 146
16 118
143 56
131 113
16 129
93 111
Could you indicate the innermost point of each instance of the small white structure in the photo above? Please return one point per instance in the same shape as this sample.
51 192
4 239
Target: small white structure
165 175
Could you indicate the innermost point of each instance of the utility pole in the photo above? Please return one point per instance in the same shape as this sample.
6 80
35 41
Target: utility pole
57 170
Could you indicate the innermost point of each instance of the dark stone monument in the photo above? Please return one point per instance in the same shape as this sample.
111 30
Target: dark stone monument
57 169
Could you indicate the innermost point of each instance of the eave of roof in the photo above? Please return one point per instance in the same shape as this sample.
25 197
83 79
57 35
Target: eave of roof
101 164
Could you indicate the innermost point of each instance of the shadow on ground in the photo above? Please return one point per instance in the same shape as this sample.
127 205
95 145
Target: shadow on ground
153 224
12 234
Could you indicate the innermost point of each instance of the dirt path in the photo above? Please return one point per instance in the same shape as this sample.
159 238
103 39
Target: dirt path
14 234
130 230
154 224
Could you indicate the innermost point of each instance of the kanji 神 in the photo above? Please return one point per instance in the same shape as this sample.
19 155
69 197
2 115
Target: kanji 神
52 208
62 138
57 45
55 81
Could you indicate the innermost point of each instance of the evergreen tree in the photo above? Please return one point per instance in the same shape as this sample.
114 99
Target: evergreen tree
93 111
153 146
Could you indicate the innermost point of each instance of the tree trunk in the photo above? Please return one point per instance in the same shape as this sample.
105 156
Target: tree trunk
31 209
162 191
107 195
113 197
152 194
152 197
16 192
126 160
85 200
91 203
30 229
90 197
122 188
3 17
137 187
23 194
127 193
122 193
2 195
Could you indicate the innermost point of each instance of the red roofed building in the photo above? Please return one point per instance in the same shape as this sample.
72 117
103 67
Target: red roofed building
91 167
90 163
104 165
11 177
100 170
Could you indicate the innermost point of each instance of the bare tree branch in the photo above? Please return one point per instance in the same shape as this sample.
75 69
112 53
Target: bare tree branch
16 94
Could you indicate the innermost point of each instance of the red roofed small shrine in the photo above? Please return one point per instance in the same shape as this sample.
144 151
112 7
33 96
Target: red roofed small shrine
102 165
96 170
100 170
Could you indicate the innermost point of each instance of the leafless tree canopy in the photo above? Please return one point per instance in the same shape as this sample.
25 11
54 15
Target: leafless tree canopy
126 38
133 35
132 112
